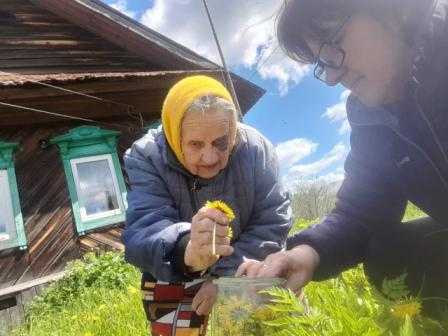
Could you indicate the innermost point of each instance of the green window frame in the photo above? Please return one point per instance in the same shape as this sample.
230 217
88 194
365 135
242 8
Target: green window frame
12 233
97 200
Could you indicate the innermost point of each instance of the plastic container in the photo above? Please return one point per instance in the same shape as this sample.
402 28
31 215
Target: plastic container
239 308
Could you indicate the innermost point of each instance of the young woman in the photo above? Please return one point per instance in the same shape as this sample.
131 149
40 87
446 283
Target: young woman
393 56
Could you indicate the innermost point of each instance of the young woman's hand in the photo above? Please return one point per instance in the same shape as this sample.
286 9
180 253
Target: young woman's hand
199 252
205 298
297 266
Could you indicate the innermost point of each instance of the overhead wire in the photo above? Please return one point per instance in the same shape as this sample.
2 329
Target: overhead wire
59 115
129 108
229 80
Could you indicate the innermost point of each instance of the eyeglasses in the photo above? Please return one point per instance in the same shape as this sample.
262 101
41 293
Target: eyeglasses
330 56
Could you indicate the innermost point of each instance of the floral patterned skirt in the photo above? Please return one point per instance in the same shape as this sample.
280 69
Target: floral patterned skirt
168 308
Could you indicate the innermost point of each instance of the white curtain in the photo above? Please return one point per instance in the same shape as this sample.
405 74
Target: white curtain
96 185
7 223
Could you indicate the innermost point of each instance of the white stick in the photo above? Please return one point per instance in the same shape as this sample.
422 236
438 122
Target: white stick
214 239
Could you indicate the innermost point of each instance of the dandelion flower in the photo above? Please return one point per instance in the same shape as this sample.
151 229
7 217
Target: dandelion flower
409 308
132 290
223 207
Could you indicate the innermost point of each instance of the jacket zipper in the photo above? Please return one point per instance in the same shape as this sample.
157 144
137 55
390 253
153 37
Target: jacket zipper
193 195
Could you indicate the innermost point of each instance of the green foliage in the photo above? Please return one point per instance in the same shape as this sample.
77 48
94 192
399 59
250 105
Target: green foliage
412 212
99 296
108 270
407 329
395 289
301 224
348 306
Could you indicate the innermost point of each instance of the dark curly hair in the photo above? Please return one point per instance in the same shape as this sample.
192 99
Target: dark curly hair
300 21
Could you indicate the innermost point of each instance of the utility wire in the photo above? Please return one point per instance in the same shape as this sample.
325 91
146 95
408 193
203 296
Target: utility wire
59 115
66 90
129 108
223 61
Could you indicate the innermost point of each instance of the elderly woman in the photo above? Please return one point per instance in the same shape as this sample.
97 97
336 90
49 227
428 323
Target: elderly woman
393 56
201 154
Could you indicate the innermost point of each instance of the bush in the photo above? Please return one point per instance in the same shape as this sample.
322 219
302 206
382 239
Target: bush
100 295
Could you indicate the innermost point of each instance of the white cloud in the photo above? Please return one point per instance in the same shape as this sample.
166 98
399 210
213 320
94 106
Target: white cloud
337 154
338 113
315 170
246 30
122 6
334 176
292 151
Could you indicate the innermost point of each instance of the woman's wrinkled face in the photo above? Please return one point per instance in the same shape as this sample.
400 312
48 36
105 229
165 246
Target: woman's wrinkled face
206 142
377 61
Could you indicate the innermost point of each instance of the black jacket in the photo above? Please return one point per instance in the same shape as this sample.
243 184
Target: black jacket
398 154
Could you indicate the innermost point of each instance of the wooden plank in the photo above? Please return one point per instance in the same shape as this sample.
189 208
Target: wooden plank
116 62
46 53
46 42
97 87
28 295
26 285
119 32
5 322
42 34
14 37
62 45
115 85
16 316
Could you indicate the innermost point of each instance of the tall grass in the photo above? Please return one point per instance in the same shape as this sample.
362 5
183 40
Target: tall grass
100 297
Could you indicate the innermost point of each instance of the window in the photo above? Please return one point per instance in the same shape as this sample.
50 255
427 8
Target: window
97 187
12 233
6 210
94 177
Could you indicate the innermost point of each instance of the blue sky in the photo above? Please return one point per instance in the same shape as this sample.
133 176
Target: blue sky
303 118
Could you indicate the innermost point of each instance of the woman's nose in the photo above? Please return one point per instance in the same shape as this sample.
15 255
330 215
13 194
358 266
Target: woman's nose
210 157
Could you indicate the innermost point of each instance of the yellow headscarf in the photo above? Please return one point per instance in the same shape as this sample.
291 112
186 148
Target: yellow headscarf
179 99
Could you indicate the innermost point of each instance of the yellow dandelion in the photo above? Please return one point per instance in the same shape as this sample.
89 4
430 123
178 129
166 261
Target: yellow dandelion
132 290
409 308
230 233
223 207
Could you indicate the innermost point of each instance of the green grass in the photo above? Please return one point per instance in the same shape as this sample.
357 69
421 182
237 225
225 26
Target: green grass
100 297
412 212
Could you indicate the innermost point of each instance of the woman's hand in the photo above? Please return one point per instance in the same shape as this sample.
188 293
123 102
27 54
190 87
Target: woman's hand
199 252
297 266
205 298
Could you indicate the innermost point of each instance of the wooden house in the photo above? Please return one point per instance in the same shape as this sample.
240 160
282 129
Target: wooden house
79 82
